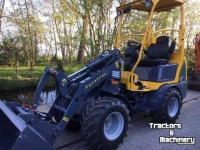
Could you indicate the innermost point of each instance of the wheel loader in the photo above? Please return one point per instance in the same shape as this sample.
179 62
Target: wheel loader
109 90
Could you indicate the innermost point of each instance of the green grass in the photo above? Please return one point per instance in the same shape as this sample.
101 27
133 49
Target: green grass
71 69
24 72
37 72
27 78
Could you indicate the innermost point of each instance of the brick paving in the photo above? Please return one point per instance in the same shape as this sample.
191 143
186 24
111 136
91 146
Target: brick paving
141 137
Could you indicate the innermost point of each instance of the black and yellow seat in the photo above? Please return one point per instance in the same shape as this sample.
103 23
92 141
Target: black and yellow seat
155 66
158 53
131 55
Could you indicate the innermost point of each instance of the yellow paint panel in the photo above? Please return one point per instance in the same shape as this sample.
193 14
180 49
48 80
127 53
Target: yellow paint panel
149 86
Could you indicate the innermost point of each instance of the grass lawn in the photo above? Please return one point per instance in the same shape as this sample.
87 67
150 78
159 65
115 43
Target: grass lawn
37 72
27 78
24 72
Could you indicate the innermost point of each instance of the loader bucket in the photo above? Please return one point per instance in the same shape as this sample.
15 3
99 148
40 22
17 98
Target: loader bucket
15 134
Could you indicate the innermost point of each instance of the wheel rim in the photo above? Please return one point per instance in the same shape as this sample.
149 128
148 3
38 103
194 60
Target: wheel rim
173 106
113 125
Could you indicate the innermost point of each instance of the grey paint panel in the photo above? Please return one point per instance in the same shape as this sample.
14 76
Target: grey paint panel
154 98
161 73
183 72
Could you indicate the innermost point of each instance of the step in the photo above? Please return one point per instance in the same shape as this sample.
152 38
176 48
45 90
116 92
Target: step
145 109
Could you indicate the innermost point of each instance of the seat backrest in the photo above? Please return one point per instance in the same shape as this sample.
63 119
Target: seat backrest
131 57
162 49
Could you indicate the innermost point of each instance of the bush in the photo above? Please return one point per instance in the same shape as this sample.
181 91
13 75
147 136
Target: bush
190 63
9 84
59 65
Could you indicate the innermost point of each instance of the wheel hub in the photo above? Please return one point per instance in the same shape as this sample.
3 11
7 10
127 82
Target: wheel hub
173 107
113 125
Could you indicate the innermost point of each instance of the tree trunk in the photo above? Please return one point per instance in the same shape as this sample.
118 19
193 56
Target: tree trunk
81 51
32 49
16 64
1 12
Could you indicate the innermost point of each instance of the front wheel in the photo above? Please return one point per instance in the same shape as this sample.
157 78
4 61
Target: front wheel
170 107
105 122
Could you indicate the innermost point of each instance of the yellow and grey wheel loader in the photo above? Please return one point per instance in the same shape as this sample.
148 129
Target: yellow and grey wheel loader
104 94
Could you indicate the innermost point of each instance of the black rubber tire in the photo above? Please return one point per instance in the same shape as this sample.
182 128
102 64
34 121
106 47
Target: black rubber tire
93 118
163 116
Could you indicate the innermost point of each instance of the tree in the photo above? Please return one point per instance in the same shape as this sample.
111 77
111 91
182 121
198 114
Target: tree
2 5
77 31
11 49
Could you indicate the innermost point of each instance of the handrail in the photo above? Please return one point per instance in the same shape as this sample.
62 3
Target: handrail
166 30
132 35
129 35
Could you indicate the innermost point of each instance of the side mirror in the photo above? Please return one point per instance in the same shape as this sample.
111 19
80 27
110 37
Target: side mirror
119 13
147 3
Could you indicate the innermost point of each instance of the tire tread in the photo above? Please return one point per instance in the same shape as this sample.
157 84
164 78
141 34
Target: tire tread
91 117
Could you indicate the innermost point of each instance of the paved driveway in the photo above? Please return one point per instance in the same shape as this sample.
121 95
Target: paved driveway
141 137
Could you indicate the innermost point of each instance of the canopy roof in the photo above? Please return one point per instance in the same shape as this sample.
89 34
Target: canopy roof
162 5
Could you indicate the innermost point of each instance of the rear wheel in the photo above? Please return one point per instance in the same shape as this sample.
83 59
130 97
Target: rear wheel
170 107
105 122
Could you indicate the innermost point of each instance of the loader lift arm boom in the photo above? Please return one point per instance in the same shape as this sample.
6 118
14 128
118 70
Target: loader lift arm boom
72 92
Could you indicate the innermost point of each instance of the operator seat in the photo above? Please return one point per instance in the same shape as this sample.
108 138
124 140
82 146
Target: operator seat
158 53
131 55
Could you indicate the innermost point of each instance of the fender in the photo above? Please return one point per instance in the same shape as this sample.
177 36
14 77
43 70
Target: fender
121 97
154 99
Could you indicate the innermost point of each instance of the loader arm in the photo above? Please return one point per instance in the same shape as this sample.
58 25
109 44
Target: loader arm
27 126
60 80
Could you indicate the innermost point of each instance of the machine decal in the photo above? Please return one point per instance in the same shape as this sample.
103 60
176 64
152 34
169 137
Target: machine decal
65 119
117 64
94 81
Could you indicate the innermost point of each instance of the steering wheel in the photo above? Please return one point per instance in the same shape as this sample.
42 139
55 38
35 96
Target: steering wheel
134 43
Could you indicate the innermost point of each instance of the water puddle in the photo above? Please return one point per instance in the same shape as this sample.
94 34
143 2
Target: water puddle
26 97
